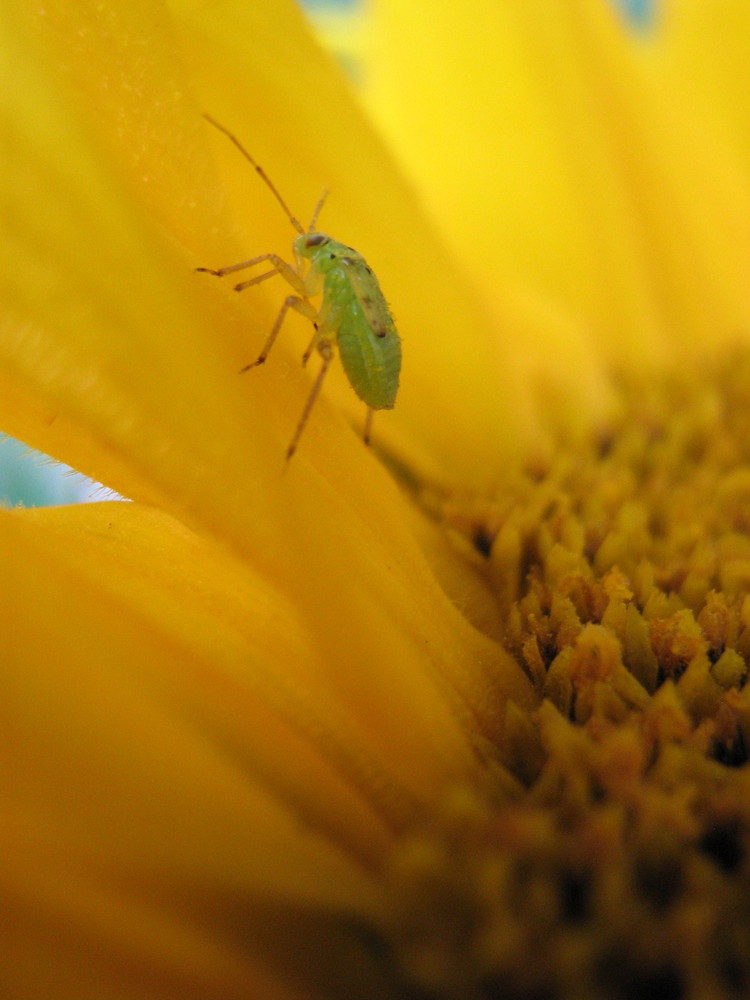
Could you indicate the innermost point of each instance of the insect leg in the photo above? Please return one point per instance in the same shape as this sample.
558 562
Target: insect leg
327 353
280 266
368 424
290 302
310 346
220 272
287 272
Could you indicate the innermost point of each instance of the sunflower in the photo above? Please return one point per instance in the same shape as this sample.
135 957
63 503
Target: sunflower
460 715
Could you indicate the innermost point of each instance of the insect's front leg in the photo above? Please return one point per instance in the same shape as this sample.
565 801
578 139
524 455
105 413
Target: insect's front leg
300 305
280 266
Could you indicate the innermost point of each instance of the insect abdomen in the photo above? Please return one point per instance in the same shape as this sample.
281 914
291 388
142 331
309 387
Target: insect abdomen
372 364
368 341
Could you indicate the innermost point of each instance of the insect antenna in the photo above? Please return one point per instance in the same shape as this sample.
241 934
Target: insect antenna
316 213
263 175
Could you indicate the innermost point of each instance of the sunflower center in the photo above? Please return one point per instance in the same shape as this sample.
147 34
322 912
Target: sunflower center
610 859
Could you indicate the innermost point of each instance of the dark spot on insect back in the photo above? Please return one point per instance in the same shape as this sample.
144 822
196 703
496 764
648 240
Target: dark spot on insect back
316 240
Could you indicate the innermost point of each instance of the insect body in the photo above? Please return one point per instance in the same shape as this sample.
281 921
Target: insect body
353 315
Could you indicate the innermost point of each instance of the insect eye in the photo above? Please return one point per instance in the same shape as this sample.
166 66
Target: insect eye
316 240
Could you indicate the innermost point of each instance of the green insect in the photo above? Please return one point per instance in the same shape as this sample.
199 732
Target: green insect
353 315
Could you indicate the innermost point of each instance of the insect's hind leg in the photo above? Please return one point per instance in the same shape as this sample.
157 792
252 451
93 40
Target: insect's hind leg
326 352
311 346
290 302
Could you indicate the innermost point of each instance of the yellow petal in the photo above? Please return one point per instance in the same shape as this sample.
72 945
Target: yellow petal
204 632
159 773
297 114
110 361
110 326
573 162
101 340
702 57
